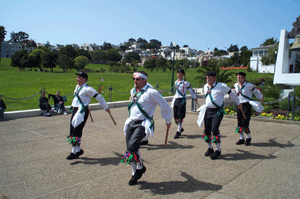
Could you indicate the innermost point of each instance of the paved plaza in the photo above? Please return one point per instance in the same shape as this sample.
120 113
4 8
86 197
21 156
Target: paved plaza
34 150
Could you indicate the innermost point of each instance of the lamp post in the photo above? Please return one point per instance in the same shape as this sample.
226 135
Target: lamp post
173 45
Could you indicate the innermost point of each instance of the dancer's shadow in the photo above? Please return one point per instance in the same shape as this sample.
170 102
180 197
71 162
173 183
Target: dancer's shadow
171 187
273 143
101 161
195 136
170 145
245 155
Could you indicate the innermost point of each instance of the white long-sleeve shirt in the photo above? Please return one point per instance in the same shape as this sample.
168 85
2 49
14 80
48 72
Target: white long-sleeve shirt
218 92
86 93
183 86
247 89
148 100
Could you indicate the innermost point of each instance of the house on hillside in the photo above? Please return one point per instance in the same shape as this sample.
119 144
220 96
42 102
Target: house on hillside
255 60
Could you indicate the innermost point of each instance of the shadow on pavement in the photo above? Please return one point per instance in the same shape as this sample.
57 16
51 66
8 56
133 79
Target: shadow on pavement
170 145
101 161
273 143
171 187
245 155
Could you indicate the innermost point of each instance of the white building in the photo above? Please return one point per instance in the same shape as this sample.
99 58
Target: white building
255 60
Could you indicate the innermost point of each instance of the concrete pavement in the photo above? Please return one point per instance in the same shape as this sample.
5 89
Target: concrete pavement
33 164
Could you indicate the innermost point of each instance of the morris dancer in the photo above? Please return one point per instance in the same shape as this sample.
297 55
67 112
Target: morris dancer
140 122
82 97
212 112
179 100
244 91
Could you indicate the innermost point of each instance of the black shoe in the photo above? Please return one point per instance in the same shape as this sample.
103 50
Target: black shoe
240 142
79 153
138 174
181 130
177 135
215 155
209 152
132 181
72 156
144 142
248 140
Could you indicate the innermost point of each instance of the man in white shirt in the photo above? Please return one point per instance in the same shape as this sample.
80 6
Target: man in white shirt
140 122
212 112
179 100
244 92
80 112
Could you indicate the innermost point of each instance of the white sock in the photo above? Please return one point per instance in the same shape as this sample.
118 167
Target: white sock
248 135
179 127
242 136
140 163
209 145
78 149
133 167
74 149
218 147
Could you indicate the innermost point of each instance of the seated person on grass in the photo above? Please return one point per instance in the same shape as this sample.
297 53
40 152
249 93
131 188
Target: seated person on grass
58 102
44 105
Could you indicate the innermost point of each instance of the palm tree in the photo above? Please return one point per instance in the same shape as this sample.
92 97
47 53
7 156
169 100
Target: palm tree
2 37
224 76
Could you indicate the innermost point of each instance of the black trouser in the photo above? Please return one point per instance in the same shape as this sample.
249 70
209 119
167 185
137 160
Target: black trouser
212 121
179 109
77 132
242 122
134 135
45 106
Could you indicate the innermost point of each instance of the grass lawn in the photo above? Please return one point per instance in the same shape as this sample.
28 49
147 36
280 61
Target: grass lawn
25 84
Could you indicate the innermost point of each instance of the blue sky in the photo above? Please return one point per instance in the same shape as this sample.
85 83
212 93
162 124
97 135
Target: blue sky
200 24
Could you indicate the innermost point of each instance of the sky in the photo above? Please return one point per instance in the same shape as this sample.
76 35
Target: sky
200 24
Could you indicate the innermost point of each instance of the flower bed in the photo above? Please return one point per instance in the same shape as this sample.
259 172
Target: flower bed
276 114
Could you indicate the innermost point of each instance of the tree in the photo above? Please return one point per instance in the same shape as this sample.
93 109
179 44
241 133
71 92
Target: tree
2 37
131 56
131 41
84 53
150 64
271 57
243 48
161 63
65 62
245 56
49 59
233 48
113 55
69 51
214 65
37 55
98 56
17 57
236 59
155 43
106 46
269 41
81 62
143 43
220 53
19 37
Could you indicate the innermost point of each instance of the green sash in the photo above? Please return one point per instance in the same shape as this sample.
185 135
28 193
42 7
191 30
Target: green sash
214 103
245 96
138 95
84 108
177 89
